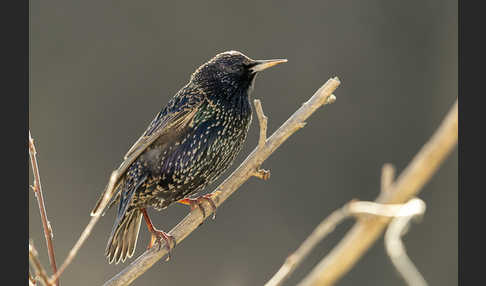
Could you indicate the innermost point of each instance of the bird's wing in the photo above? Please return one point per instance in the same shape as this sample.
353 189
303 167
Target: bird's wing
172 119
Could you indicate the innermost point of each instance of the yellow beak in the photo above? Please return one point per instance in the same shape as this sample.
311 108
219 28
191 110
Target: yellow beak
265 64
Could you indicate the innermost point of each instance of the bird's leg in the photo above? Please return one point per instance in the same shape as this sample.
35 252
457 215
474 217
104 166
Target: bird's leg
158 235
197 203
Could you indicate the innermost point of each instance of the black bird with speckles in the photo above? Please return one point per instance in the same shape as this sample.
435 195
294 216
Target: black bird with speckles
187 146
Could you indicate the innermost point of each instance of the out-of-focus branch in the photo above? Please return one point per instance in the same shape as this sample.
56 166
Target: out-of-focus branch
365 232
353 208
40 201
387 176
394 245
232 183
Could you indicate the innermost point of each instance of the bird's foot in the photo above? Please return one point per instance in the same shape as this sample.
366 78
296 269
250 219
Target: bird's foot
197 203
158 236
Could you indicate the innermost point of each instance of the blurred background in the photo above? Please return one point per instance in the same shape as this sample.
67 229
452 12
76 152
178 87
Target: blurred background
101 70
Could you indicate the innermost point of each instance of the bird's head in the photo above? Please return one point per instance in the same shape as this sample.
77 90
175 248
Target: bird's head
231 71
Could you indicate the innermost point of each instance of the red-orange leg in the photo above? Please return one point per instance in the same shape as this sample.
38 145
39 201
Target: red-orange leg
158 235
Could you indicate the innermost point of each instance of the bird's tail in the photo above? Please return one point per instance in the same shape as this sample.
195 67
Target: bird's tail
123 238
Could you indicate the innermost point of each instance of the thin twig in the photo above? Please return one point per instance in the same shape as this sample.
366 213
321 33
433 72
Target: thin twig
395 248
47 228
37 266
353 208
230 185
263 120
40 200
387 176
365 232
72 253
294 260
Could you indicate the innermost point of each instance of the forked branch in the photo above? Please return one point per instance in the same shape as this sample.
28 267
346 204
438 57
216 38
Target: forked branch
365 232
351 209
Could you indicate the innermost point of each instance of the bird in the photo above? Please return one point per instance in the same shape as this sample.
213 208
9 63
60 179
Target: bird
187 146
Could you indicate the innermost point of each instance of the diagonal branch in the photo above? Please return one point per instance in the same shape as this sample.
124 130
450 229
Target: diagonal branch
232 183
42 209
365 232
353 208
72 253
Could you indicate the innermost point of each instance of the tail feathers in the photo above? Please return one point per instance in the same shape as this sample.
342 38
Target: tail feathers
124 235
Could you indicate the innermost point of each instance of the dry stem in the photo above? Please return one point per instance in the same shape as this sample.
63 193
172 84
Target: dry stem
42 209
394 245
353 208
387 176
365 232
39 270
72 253
232 183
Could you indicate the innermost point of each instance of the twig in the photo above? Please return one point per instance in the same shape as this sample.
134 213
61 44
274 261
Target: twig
395 248
40 200
387 176
321 231
37 266
365 232
72 253
263 120
47 228
231 184
353 208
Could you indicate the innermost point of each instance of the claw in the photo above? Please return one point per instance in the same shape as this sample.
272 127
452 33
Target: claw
158 236
197 203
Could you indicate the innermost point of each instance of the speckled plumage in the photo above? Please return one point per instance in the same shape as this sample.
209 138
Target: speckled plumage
187 146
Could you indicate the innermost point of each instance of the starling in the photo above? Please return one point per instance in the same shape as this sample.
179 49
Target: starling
187 146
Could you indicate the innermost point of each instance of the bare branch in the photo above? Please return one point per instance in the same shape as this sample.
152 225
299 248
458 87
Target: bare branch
40 201
353 208
394 245
72 253
294 260
262 119
37 188
365 232
37 266
231 184
387 176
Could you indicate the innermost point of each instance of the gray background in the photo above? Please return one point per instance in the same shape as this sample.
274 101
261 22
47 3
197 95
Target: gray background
100 71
